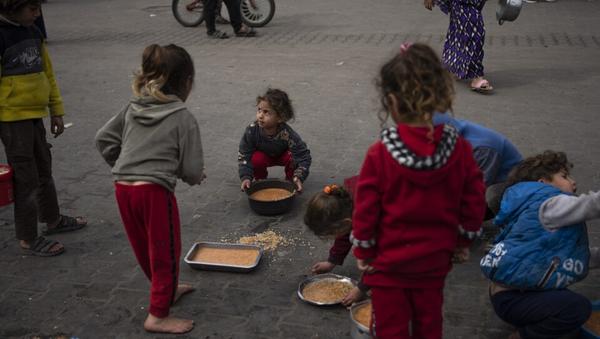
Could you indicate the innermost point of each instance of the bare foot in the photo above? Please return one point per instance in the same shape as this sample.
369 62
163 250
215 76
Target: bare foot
181 290
168 325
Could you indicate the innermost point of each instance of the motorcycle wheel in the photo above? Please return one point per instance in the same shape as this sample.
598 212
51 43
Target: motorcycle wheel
188 12
257 13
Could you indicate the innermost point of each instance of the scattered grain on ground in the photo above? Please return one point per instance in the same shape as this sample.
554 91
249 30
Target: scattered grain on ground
268 240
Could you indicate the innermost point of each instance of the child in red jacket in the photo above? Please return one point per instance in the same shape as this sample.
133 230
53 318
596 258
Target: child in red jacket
418 192
329 215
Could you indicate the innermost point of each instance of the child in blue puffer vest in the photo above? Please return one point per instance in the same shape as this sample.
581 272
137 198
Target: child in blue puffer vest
542 249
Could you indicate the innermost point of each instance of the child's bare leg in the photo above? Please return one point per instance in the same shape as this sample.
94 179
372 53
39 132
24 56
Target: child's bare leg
168 324
181 290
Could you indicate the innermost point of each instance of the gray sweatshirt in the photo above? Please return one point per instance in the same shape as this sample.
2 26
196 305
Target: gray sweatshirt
153 141
563 210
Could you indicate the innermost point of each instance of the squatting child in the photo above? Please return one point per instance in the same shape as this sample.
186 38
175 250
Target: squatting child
151 143
329 214
28 92
542 249
270 141
494 153
418 191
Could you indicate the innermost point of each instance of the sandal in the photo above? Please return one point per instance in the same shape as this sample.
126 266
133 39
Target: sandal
66 224
245 32
482 86
218 35
41 247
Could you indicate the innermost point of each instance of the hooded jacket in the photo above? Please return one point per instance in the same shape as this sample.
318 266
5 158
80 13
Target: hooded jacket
413 198
153 141
530 254
494 153
28 89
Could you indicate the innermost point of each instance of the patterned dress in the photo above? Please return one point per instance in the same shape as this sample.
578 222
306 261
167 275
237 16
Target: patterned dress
463 48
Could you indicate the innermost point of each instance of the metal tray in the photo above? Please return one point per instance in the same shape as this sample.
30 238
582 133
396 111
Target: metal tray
322 277
201 265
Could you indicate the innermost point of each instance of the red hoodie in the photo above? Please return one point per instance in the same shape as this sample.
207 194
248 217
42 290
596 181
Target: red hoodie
413 198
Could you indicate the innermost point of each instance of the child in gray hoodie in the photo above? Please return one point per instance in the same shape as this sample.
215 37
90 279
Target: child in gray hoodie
150 144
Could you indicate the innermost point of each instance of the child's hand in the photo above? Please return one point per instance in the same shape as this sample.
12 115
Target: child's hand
428 4
461 255
322 267
363 266
245 184
57 127
298 183
353 296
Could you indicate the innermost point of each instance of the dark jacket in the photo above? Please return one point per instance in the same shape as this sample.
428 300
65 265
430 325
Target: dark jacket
286 139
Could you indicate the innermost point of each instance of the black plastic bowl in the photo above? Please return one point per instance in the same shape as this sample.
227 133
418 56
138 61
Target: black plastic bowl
271 207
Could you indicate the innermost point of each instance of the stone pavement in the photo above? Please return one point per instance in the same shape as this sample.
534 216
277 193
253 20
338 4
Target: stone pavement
325 54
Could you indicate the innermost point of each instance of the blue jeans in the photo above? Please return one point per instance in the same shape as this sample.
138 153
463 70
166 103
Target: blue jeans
542 314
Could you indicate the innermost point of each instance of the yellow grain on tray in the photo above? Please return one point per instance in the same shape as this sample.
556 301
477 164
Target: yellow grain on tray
271 194
226 256
593 323
268 240
326 291
363 315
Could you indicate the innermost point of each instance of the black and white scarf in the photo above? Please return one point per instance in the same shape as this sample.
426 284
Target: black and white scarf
391 139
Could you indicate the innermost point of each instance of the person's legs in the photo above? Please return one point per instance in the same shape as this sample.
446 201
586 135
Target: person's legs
133 222
154 232
391 313
18 139
286 160
209 15
235 16
164 238
260 162
49 211
542 314
427 307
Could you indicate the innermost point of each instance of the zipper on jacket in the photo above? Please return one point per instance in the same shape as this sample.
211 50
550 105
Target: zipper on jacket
549 271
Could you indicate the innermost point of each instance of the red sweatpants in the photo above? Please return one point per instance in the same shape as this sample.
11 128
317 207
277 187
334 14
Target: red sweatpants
395 308
260 162
151 219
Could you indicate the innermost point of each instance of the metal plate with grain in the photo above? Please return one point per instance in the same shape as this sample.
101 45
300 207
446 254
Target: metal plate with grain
204 265
357 329
321 277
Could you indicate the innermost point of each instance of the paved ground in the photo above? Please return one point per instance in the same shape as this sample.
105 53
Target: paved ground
325 54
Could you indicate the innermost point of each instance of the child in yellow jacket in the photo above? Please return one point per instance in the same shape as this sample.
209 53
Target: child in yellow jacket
28 92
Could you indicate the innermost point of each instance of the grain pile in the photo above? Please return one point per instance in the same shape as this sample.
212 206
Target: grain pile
268 240
226 256
326 291
363 315
593 323
271 194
